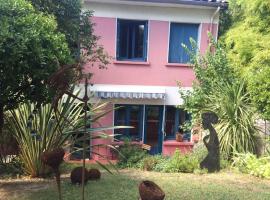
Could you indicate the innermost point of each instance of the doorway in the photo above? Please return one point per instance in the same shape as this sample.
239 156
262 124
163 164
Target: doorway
153 128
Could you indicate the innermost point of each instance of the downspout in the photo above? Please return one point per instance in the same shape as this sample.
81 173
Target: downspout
212 21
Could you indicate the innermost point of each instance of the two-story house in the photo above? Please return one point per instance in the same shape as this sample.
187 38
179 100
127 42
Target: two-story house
144 38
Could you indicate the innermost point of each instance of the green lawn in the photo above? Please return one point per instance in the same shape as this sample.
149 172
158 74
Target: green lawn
123 186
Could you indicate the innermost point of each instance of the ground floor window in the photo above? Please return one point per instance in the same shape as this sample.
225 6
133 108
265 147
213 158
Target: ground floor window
174 119
148 125
129 115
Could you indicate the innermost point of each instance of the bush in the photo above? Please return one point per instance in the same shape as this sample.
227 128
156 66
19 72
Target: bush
181 163
150 163
250 164
12 168
40 130
130 155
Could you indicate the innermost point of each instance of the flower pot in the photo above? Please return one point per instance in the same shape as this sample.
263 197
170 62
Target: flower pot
179 137
150 191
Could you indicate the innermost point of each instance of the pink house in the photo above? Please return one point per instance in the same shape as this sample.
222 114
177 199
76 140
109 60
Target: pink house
144 38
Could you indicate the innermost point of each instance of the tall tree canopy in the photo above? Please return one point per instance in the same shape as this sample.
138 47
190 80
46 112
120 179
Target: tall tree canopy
247 40
31 49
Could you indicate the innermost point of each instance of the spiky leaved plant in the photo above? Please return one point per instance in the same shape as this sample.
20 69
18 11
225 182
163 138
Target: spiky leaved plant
236 128
41 130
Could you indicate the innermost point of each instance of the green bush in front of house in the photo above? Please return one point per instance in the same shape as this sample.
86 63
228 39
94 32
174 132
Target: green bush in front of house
250 164
130 155
185 163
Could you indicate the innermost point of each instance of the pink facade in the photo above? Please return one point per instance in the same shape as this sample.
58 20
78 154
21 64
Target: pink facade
154 72
130 73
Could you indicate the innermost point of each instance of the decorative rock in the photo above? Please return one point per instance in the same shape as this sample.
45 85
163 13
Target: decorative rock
150 191
212 160
76 175
94 174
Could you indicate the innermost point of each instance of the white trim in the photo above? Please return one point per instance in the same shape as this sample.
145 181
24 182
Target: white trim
199 37
142 12
149 4
172 93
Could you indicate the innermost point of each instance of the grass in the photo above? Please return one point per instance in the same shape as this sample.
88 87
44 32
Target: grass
124 186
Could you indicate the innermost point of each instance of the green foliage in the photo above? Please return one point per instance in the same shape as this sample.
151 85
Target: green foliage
218 90
236 128
250 164
130 155
75 24
12 168
152 163
31 49
248 45
41 131
181 163
211 70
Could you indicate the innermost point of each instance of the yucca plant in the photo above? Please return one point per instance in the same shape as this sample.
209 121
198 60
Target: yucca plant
236 128
41 129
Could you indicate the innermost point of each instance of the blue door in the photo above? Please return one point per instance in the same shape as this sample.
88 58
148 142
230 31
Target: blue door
153 128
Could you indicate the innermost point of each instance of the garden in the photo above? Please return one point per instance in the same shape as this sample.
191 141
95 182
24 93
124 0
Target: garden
43 115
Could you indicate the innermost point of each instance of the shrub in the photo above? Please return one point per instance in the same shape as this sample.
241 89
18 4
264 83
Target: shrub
130 155
181 163
236 129
250 164
12 168
39 130
150 163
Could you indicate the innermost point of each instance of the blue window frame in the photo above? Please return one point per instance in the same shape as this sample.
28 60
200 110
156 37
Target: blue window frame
129 115
181 33
174 118
132 40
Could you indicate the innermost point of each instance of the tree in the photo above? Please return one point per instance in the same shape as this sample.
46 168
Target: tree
31 49
212 70
76 25
217 89
248 44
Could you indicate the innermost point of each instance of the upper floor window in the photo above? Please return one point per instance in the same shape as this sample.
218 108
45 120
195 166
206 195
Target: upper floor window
181 33
132 40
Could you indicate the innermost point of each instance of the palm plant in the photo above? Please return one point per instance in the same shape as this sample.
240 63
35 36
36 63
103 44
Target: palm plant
236 128
39 130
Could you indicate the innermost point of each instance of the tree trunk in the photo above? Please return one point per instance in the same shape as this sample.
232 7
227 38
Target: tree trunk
1 118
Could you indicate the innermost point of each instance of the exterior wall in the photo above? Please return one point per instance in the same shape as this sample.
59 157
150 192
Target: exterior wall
169 147
99 145
155 72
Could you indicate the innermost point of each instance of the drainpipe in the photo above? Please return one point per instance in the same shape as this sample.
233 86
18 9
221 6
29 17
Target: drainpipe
212 21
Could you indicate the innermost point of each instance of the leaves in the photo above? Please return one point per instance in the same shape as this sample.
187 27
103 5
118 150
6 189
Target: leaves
248 44
31 49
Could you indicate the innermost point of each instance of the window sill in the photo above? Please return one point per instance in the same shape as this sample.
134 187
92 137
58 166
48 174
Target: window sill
175 143
120 143
126 62
178 65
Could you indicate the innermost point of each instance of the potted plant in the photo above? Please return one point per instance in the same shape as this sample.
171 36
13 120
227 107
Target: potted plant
179 136
186 127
